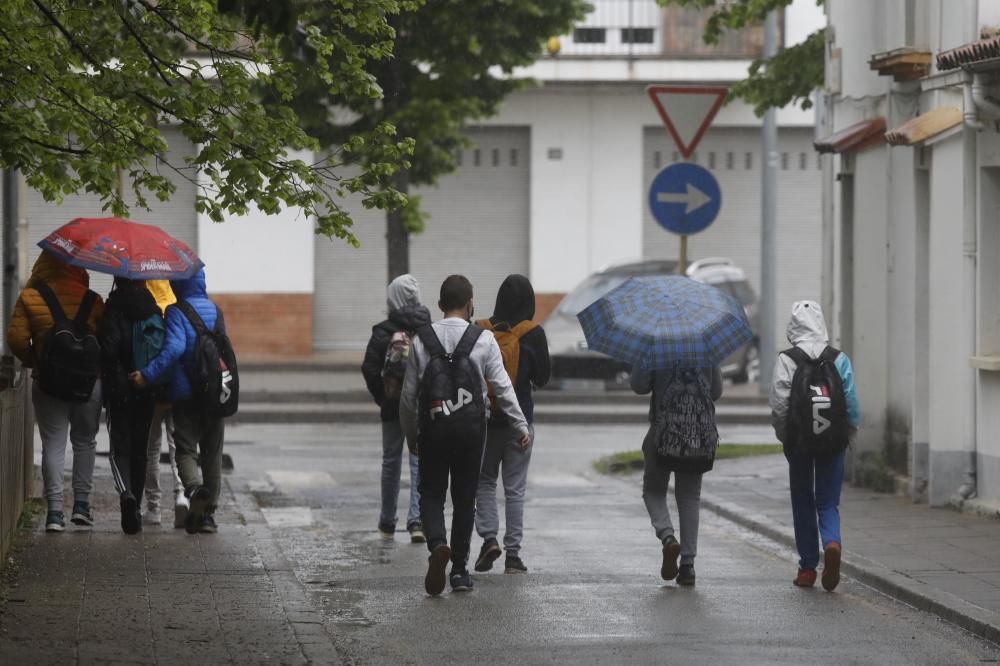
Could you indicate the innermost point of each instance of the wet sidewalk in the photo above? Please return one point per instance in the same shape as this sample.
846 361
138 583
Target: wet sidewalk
937 559
97 596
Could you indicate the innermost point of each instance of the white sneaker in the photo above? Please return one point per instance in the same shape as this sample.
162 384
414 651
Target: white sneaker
181 506
151 517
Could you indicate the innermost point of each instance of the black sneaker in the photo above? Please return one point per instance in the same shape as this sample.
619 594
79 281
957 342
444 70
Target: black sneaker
514 565
488 554
461 581
208 525
82 515
131 519
686 575
671 551
417 535
436 565
199 497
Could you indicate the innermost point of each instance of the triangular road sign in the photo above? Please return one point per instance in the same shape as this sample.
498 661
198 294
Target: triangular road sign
687 112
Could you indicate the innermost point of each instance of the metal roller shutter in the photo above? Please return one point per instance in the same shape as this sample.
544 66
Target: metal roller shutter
177 216
733 156
478 227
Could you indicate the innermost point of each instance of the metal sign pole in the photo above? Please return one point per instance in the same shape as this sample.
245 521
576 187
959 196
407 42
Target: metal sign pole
683 263
768 232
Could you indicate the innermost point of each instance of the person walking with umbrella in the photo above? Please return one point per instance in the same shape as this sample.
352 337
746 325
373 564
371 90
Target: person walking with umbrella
131 334
674 332
66 393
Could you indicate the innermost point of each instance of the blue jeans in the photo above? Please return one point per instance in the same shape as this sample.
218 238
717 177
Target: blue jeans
815 487
392 462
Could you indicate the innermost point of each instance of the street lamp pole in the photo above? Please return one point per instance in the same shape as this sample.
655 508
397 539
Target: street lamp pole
768 232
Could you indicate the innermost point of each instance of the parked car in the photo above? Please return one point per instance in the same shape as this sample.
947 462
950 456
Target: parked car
572 361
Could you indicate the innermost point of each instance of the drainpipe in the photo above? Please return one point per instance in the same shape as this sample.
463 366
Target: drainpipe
976 94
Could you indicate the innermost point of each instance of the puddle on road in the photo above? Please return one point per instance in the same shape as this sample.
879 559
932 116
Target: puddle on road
290 516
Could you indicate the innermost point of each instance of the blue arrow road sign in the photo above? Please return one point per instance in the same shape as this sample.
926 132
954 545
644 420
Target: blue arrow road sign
685 198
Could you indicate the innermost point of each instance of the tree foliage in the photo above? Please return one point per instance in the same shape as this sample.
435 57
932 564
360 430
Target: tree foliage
87 85
790 77
450 64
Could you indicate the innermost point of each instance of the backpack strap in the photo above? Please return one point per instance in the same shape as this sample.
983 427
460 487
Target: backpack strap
55 307
485 324
468 341
86 305
522 329
829 354
431 341
797 355
220 321
192 316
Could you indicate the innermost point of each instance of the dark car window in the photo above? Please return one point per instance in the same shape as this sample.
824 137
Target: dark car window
589 291
743 292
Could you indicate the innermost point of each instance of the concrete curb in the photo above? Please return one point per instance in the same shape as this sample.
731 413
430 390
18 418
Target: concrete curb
948 607
249 416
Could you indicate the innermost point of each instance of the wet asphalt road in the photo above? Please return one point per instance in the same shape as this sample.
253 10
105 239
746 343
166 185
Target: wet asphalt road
593 594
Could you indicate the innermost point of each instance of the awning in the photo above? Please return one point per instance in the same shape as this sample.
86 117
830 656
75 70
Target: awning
905 64
984 54
854 137
925 127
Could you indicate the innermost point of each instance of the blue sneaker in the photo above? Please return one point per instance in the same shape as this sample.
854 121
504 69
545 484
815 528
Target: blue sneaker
82 515
54 521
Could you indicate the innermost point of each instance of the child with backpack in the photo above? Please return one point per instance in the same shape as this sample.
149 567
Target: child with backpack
682 440
443 407
132 333
53 331
384 368
525 354
204 389
815 413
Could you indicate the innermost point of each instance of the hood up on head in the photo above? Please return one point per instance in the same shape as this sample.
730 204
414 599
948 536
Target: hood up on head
515 301
807 324
403 291
48 268
133 299
193 287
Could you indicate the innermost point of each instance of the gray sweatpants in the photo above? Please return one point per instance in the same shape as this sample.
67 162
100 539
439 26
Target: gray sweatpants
56 420
503 456
687 492
163 419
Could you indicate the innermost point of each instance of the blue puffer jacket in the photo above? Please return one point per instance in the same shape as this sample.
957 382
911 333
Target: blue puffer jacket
177 358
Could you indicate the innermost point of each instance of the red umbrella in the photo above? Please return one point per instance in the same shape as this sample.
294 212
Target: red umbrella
123 248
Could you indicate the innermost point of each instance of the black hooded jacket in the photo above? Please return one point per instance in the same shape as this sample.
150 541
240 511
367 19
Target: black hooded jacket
409 319
516 303
128 303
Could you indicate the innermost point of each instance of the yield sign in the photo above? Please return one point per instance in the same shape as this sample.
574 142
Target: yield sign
687 111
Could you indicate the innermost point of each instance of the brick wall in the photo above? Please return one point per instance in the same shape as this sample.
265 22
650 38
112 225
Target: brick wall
269 324
545 304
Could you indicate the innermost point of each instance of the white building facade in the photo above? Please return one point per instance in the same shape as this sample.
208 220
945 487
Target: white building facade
914 277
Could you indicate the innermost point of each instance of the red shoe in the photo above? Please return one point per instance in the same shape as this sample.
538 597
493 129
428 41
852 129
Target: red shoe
805 578
831 566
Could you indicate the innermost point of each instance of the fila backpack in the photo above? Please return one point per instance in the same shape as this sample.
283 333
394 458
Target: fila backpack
450 396
817 408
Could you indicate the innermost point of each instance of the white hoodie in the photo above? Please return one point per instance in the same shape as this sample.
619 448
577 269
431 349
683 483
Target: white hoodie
807 331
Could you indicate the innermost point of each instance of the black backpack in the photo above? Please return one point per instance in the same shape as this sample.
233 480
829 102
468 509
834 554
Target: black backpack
684 418
817 407
450 398
215 379
70 362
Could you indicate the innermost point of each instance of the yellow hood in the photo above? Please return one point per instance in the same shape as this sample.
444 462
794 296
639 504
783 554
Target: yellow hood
161 291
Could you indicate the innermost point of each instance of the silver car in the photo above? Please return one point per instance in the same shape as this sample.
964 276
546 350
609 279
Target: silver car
572 362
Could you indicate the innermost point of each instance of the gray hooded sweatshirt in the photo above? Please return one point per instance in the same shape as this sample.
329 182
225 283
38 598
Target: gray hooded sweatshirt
403 291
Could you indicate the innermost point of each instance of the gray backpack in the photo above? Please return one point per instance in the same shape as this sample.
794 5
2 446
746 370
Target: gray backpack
684 421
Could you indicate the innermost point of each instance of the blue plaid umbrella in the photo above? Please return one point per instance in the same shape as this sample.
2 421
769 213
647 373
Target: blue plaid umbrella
665 321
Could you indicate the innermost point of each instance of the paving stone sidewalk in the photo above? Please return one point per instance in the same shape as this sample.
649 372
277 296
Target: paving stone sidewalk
97 596
937 559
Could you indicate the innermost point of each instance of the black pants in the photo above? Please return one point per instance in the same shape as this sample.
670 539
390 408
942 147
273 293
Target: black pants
128 427
462 460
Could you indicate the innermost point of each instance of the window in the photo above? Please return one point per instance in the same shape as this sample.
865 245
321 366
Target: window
458 157
476 157
675 157
637 36
803 162
590 35
513 157
496 157
729 161
694 158
711 161
748 161
784 161
657 160
819 160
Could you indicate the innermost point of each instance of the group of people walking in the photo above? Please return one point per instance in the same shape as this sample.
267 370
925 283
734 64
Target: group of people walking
141 356
458 393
